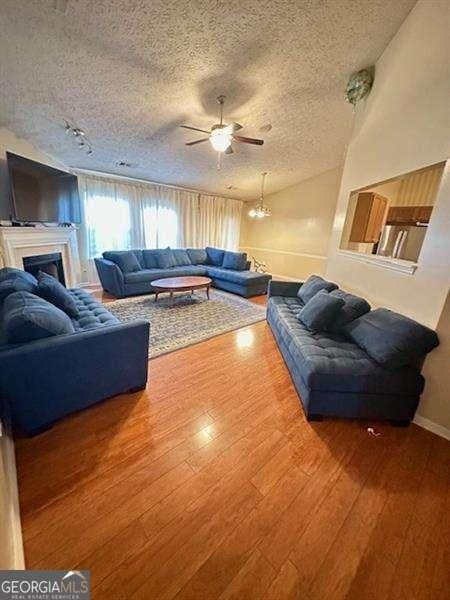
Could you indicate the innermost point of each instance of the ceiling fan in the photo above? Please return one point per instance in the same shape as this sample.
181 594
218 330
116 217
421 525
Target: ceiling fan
221 136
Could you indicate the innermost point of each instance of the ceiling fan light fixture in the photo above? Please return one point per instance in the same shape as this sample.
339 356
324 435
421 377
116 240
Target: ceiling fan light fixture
220 139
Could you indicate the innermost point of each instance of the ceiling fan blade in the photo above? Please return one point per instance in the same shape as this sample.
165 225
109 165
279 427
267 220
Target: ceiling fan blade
194 128
237 126
247 140
197 142
229 150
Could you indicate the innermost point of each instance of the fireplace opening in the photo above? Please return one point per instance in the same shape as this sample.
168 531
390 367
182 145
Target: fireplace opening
48 263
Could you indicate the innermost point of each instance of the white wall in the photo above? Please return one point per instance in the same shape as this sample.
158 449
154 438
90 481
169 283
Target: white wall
402 126
293 241
9 141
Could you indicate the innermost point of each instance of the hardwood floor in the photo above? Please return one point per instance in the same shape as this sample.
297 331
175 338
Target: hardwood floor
211 484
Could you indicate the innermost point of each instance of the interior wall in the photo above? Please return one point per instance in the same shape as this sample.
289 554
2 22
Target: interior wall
435 405
402 126
9 141
293 241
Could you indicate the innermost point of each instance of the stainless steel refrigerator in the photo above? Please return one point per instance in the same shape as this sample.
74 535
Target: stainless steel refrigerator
402 241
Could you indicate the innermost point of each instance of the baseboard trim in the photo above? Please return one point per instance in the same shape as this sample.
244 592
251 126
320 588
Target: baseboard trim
14 554
431 426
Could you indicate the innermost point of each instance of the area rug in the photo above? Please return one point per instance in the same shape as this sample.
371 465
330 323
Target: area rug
192 319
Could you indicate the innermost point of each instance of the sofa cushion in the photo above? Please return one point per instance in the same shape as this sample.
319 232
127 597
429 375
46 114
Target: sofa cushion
54 292
188 270
152 274
138 254
197 256
248 278
91 313
165 258
181 257
331 362
126 260
150 259
354 307
27 317
215 256
312 285
391 339
234 260
320 311
16 283
9 272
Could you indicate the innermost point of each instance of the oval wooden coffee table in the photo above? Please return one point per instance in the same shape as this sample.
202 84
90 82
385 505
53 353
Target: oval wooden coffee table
180 284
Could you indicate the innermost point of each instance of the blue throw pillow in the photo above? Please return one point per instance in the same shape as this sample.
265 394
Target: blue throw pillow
319 312
215 256
53 291
312 285
197 256
181 257
165 258
126 260
354 307
391 339
9 272
16 283
150 259
235 260
27 317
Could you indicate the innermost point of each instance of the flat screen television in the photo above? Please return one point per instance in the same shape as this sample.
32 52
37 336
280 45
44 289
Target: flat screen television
40 193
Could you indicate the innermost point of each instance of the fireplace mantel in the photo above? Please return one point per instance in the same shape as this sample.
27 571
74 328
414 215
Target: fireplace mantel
18 242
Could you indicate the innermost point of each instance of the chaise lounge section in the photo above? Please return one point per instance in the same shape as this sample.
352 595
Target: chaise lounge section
367 367
130 272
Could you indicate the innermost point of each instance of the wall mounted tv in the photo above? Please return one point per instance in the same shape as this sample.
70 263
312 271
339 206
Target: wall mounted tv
40 193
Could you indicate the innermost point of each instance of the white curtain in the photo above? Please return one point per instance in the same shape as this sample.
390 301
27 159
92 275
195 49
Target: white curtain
121 215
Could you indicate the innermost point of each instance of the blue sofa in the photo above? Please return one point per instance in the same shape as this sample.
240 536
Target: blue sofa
367 368
124 275
53 364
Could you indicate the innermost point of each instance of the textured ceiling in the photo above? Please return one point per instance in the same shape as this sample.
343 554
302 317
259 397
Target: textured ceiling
130 72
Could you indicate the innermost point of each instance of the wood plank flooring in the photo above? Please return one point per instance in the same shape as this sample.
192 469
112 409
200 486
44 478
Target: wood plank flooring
212 485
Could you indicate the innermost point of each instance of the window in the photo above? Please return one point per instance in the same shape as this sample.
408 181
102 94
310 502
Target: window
108 224
160 226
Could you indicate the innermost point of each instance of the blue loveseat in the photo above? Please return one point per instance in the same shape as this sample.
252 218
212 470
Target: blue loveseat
366 364
130 272
52 364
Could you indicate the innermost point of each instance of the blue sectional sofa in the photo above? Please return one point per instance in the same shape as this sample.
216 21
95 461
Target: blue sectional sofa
57 358
130 272
357 364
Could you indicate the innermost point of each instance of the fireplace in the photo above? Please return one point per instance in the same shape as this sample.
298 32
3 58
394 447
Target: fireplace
48 263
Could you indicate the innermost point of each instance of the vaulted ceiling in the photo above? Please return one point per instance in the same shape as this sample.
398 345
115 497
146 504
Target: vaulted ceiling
130 72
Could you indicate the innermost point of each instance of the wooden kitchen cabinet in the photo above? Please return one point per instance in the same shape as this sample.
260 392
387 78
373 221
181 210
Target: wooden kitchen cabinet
368 219
408 215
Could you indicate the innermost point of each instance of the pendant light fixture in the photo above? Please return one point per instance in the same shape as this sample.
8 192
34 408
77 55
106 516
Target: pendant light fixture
260 211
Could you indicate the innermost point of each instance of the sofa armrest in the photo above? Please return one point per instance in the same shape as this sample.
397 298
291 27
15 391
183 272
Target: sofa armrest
47 379
111 277
284 288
